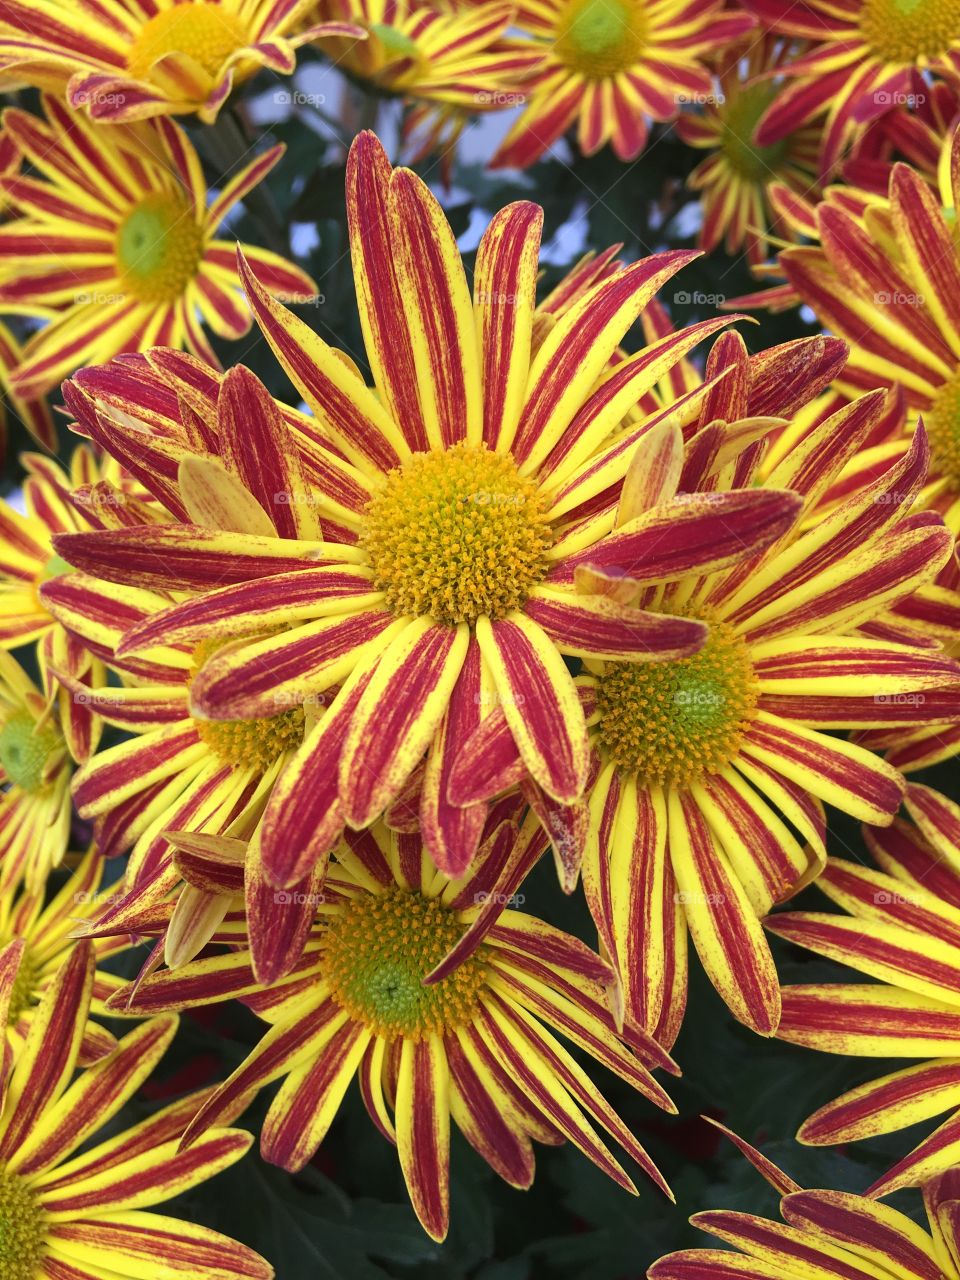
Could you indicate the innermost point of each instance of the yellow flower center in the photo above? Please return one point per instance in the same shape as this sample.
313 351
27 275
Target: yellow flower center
22 1230
252 743
456 533
23 994
378 949
739 117
672 723
25 750
209 33
910 31
942 423
598 38
159 248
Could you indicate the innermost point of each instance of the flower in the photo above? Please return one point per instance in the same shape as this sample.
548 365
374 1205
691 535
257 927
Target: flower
44 931
610 66
830 1234
476 1047
865 57
33 413
56 502
464 494
900 928
83 1214
736 177
35 772
132 61
448 65
118 250
704 760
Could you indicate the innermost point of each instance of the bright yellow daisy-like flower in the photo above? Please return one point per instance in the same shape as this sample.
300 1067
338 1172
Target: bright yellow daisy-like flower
466 492
865 56
901 930
735 178
117 245
33 412
706 807
74 1210
35 771
832 1235
477 1047
128 60
610 67
44 929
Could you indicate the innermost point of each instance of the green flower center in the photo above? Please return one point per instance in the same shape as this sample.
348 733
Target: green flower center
598 38
25 750
55 567
22 1230
910 32
396 43
739 117
672 723
456 533
159 247
378 949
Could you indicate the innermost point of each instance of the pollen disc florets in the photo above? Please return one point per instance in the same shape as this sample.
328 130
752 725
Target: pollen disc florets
942 424
739 116
674 722
25 750
910 31
253 743
22 1233
598 38
377 951
456 533
208 33
159 248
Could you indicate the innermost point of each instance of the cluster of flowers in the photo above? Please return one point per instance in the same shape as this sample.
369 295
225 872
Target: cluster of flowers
365 662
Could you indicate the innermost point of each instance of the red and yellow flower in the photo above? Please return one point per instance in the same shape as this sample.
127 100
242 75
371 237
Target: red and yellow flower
130 61
464 495
35 769
901 929
609 67
833 1235
477 1047
116 244
864 57
711 772
736 177
72 1209
44 930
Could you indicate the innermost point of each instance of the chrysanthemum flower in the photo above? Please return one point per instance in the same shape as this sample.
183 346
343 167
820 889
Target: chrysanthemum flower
57 502
116 238
451 65
735 178
888 284
71 1209
478 1047
131 60
832 1235
44 930
469 488
866 56
35 773
610 67
901 929
706 808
